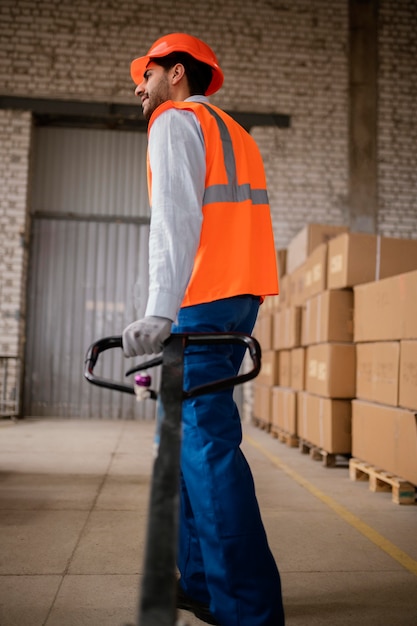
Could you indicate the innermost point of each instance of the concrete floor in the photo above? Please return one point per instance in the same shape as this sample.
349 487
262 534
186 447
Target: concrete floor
73 506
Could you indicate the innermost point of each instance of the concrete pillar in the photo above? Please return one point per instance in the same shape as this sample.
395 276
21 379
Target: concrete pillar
363 179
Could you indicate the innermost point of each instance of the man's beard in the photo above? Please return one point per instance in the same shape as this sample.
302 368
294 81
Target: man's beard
160 95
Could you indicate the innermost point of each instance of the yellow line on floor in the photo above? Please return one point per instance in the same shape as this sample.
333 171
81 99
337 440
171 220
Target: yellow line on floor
406 561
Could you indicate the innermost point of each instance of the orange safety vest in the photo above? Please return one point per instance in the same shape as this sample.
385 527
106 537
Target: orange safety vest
236 254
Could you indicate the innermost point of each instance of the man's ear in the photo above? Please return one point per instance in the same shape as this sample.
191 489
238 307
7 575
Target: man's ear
177 73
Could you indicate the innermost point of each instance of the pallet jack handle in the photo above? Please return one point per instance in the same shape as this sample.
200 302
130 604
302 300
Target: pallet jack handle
189 339
157 606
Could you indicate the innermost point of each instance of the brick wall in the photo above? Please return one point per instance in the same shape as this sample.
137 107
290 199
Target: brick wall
14 165
14 168
285 57
280 56
397 128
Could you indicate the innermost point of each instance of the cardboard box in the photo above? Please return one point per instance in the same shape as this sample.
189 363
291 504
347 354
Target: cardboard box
357 258
302 414
408 292
378 310
277 339
387 309
331 370
408 375
385 437
287 329
284 292
297 379
263 330
272 303
281 262
269 374
285 368
296 286
328 317
315 272
306 240
352 260
325 422
377 372
284 410
395 256
262 402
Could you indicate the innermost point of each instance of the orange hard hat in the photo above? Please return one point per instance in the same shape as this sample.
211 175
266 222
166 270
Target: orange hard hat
179 42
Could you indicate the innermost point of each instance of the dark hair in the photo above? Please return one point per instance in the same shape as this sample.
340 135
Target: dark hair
198 74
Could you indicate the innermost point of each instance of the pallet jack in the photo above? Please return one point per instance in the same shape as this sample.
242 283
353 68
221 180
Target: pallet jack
157 606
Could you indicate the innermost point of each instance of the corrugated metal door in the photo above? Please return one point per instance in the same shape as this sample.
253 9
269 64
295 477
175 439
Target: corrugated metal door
88 271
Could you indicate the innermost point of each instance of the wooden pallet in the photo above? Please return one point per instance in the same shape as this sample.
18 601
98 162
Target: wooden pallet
403 492
328 459
262 424
290 439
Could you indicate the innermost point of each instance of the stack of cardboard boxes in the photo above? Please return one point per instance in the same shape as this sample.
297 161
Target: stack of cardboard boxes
282 381
270 375
339 347
384 420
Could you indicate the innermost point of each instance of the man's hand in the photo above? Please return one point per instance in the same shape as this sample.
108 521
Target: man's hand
146 336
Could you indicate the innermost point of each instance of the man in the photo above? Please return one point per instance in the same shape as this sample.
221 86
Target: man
211 263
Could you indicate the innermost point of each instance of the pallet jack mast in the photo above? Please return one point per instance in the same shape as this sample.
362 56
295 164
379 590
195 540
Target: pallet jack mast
157 605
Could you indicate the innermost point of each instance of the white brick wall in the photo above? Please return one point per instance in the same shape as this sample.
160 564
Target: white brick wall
14 167
277 57
280 56
397 128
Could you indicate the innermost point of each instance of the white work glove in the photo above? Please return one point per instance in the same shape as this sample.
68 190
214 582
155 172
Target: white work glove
146 336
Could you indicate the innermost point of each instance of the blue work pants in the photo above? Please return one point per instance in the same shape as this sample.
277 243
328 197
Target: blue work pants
224 558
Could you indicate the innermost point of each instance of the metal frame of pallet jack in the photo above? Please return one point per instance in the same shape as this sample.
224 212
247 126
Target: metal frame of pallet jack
157 605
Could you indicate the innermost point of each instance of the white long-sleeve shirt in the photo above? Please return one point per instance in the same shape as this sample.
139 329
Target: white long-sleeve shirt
178 164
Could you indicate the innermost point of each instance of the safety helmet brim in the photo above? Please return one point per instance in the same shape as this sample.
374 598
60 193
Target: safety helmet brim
179 42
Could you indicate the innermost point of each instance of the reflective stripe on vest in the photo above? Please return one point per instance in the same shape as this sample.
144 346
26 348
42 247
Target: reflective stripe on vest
232 192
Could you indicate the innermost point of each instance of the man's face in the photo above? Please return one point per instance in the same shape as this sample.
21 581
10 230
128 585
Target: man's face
154 89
